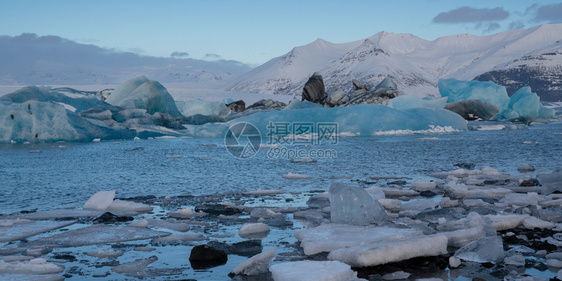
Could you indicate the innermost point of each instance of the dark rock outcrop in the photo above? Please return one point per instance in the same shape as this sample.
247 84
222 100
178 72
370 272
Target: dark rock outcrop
384 91
203 256
269 103
473 109
314 90
237 106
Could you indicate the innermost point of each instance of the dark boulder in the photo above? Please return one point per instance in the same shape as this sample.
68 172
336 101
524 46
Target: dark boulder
314 90
237 106
203 256
269 103
473 109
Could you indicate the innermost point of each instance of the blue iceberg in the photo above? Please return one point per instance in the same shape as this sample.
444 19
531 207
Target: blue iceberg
409 101
525 103
456 90
144 94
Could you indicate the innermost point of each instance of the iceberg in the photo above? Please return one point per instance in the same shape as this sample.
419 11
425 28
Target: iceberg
391 251
361 120
144 94
456 90
257 264
313 271
331 236
199 106
410 101
76 100
36 121
525 103
354 205
99 201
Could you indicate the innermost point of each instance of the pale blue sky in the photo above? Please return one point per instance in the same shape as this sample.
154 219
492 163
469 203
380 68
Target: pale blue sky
253 31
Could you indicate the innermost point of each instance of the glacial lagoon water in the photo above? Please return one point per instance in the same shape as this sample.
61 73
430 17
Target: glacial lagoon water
65 175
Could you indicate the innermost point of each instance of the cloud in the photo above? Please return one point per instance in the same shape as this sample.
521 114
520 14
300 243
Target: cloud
179 54
212 56
516 25
549 13
471 15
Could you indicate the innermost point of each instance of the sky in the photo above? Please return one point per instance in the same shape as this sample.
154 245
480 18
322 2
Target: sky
255 31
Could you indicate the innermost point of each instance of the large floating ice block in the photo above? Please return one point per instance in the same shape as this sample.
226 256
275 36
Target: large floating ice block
391 251
313 271
199 106
525 103
456 90
354 205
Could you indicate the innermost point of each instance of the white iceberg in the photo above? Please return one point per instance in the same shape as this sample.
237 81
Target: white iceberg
100 201
391 251
257 264
332 236
313 271
354 205
145 94
199 106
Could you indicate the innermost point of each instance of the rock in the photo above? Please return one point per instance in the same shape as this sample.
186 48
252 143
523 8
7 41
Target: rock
473 109
108 217
237 106
216 209
246 248
336 98
203 256
267 103
466 166
314 90
357 85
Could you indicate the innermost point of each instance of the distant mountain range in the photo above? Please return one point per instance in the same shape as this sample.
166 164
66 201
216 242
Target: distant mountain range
513 58
29 59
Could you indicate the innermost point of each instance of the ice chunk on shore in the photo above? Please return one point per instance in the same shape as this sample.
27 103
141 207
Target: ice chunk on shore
257 264
313 271
550 182
128 206
100 201
34 266
253 230
29 228
134 266
146 94
456 90
100 254
487 249
332 236
354 205
199 106
186 213
95 234
423 185
391 251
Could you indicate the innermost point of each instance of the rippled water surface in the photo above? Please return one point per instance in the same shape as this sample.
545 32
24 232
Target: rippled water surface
60 175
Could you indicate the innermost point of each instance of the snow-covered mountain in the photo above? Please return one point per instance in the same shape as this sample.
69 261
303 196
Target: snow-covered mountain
414 64
29 59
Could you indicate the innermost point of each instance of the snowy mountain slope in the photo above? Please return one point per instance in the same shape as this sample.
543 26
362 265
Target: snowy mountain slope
415 64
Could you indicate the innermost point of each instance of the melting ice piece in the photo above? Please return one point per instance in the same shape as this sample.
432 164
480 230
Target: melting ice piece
354 205
34 266
22 230
295 176
313 271
100 254
332 236
254 230
487 249
391 251
550 182
96 234
128 206
257 264
100 201
134 266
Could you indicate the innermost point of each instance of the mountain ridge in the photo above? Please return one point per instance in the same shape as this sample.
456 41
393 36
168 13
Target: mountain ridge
415 64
